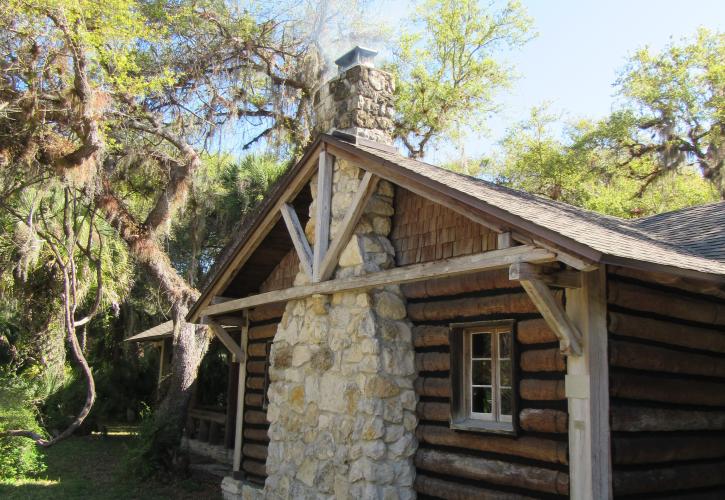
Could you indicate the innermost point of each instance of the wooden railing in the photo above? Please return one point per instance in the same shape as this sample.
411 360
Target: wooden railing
206 426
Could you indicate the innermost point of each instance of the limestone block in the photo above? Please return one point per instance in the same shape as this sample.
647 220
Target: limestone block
389 305
374 449
352 255
379 386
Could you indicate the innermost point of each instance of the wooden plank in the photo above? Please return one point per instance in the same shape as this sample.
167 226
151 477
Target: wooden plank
561 278
299 240
347 227
587 390
322 212
225 338
495 259
554 315
239 427
503 240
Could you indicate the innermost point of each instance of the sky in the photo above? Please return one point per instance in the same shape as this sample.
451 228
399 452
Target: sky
580 47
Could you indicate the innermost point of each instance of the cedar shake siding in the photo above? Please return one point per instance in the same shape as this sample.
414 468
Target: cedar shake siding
667 386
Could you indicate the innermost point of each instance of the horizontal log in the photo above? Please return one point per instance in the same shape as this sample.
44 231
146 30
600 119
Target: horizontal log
546 450
262 332
542 390
429 336
493 471
432 361
660 448
669 390
256 434
254 468
254 399
666 303
535 420
667 332
434 387
448 490
255 367
267 312
255 383
255 417
256 451
474 282
661 359
674 478
514 303
543 360
484 261
687 284
534 331
437 412
642 419
257 350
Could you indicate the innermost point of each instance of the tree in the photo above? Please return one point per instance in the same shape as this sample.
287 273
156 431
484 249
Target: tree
561 162
673 110
446 71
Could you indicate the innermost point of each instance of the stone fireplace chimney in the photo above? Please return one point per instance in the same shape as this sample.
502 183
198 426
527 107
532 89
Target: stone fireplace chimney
359 100
342 366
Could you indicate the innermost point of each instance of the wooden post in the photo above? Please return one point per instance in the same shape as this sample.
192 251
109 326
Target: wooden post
322 213
162 362
232 388
587 391
240 398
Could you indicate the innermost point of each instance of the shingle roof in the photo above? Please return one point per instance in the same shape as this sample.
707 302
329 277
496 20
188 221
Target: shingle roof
699 230
692 239
158 332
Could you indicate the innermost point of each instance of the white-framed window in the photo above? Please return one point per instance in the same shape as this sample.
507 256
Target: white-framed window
483 376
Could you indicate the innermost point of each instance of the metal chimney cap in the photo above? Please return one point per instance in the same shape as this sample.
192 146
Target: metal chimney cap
358 55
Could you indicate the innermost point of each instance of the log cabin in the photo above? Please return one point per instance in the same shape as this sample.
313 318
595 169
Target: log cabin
399 331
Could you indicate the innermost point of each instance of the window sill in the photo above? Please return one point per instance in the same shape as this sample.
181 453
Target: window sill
473 425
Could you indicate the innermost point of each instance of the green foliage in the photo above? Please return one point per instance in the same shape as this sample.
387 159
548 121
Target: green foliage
446 70
155 448
673 109
19 457
569 166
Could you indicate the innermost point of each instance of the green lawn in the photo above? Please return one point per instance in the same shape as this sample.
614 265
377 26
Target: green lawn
90 467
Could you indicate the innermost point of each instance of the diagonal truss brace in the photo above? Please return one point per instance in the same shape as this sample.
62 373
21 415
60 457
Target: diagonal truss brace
570 339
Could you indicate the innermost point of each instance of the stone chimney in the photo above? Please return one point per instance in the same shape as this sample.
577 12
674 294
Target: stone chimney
342 366
358 101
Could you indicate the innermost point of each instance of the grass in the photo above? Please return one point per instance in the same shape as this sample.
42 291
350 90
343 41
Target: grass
90 467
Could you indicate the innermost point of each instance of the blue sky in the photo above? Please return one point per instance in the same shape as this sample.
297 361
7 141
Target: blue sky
580 47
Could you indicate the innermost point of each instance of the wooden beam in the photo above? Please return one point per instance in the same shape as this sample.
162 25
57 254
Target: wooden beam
587 391
262 229
347 227
560 278
299 240
503 240
239 424
554 315
323 203
495 259
225 338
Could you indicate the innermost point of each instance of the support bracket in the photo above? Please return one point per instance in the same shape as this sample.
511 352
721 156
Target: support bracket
226 339
570 339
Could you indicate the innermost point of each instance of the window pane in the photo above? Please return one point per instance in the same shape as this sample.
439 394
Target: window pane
505 345
481 401
481 372
505 375
507 400
481 345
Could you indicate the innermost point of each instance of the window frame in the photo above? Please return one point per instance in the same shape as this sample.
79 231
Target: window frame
461 415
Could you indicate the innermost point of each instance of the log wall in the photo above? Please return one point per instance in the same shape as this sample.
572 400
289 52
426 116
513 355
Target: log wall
262 327
283 276
461 464
667 386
